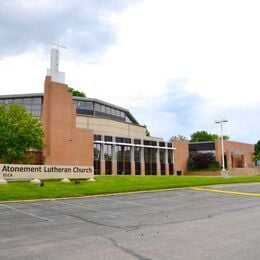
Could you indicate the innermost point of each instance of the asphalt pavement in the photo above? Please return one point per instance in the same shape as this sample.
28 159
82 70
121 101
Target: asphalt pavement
177 224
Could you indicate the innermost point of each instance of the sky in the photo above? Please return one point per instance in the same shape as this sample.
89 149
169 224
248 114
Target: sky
178 66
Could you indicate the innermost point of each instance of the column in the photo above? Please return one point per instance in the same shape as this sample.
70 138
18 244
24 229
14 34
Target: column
158 162
132 159
166 162
142 161
102 158
114 158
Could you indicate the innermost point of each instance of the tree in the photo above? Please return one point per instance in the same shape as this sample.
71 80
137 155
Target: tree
203 136
257 151
147 132
178 138
76 93
20 132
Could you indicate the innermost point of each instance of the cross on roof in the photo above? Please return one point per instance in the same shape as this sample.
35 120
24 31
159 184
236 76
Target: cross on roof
58 45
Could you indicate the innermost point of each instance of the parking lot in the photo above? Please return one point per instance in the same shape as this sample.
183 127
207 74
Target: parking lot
177 224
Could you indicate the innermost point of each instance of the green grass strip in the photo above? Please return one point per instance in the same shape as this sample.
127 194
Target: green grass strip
24 190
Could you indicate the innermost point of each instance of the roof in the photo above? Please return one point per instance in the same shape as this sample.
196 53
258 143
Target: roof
31 95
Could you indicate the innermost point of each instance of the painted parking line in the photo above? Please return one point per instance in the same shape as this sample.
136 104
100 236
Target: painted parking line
26 213
227 192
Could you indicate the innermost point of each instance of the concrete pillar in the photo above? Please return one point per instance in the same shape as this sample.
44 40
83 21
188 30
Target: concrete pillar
166 162
158 163
132 160
142 161
102 158
114 158
229 159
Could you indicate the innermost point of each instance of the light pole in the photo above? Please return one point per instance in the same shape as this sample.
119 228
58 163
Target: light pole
223 172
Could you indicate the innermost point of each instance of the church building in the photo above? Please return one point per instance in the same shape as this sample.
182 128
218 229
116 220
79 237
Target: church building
91 132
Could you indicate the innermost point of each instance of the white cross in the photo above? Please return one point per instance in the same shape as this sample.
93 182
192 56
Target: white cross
58 45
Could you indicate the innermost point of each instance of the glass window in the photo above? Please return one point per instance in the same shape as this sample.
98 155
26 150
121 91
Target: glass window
8 101
137 154
170 159
81 104
127 153
103 109
108 152
27 101
119 153
108 138
117 113
97 152
97 107
36 106
108 110
154 152
162 155
89 105
122 114
18 101
28 107
97 137
113 112
37 101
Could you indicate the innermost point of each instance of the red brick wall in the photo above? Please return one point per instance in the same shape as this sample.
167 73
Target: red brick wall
230 147
66 145
181 155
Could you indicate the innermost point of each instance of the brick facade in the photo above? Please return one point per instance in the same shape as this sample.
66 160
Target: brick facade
66 145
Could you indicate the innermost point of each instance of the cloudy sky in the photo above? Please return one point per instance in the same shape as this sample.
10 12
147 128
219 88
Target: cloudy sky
176 65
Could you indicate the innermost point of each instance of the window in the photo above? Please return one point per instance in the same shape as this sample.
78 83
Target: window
113 112
108 110
81 105
108 138
89 105
137 154
117 113
97 107
97 152
97 137
108 152
103 109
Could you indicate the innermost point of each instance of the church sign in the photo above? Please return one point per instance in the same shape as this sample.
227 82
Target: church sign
43 172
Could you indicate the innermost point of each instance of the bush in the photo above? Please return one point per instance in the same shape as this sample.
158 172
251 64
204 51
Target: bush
202 161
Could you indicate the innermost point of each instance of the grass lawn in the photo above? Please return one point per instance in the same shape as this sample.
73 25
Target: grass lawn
108 184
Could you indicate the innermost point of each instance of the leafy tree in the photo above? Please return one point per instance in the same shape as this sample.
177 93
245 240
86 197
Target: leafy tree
257 147
199 161
203 136
178 138
147 132
257 151
20 132
76 93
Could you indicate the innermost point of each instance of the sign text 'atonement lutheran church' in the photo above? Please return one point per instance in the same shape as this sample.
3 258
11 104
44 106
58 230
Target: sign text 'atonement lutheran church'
43 172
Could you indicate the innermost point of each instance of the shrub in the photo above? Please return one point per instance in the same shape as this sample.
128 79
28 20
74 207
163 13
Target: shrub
201 161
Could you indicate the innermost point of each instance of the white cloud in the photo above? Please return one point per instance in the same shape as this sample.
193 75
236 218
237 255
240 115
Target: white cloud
211 47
